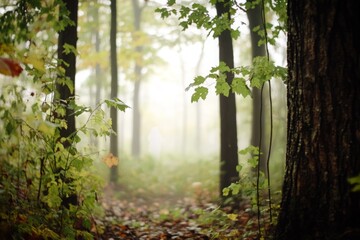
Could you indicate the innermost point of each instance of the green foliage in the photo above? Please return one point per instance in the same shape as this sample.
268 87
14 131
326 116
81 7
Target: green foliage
246 187
47 186
262 69
256 75
217 223
355 181
116 103
197 14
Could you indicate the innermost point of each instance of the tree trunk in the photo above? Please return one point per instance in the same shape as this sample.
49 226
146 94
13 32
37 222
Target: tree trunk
64 93
323 122
114 90
228 130
258 116
136 142
97 49
94 12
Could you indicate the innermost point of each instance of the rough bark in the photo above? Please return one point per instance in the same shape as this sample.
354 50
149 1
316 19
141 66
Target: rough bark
228 129
323 122
114 89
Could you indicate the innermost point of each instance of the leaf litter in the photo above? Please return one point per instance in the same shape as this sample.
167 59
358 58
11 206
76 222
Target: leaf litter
168 217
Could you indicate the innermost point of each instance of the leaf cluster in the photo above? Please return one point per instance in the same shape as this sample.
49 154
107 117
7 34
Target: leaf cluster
246 187
48 189
244 77
199 15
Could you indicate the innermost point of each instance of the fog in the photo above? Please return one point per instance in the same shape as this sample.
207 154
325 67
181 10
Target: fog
172 127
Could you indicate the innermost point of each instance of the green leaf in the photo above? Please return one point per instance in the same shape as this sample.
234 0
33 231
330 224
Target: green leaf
262 71
250 149
53 199
235 188
222 87
9 128
235 34
70 49
164 13
222 68
200 92
171 2
184 25
253 161
225 192
199 80
239 167
239 86
116 103
356 182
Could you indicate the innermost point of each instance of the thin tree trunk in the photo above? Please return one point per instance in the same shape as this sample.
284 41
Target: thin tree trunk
228 129
258 116
323 122
97 49
114 89
136 141
64 94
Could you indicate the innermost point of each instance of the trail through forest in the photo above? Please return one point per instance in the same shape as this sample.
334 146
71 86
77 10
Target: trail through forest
169 217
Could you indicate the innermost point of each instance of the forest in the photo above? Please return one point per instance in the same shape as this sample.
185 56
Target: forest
148 119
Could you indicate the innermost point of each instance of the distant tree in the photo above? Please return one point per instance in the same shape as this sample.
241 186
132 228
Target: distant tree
67 59
136 142
323 122
114 88
228 128
258 116
96 33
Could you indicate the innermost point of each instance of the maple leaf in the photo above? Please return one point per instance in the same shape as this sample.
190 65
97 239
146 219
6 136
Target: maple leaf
110 160
10 67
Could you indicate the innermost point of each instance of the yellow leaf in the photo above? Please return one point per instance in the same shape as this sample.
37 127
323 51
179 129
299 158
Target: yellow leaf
110 160
232 216
35 61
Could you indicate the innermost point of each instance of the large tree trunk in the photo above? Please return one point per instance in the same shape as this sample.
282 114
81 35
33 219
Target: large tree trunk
323 146
68 62
114 89
228 130
258 135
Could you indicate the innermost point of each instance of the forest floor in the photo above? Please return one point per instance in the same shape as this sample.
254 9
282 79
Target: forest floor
169 217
